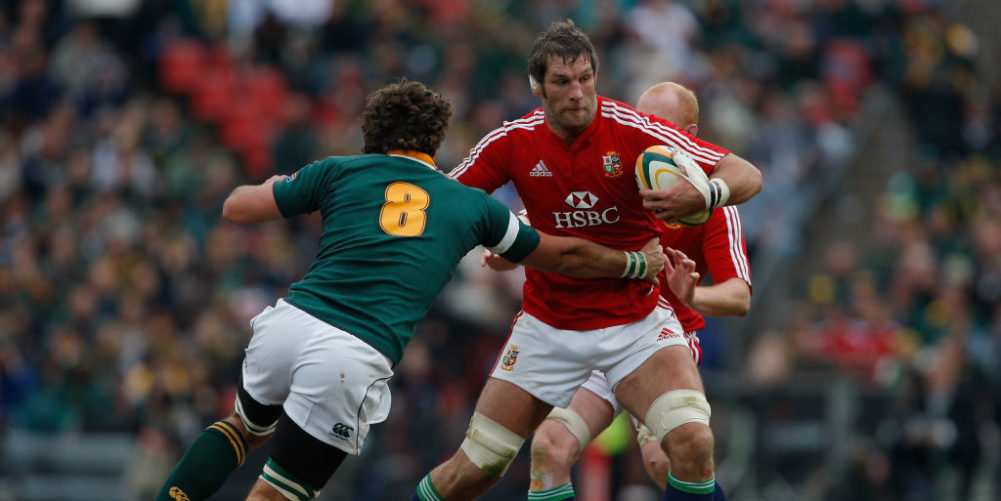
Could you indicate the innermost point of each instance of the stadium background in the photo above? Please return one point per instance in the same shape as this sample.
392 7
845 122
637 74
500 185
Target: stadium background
868 369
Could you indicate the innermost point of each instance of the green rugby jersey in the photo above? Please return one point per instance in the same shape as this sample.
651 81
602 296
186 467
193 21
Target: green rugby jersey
394 228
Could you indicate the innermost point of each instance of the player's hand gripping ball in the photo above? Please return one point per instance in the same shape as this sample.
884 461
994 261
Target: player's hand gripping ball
660 166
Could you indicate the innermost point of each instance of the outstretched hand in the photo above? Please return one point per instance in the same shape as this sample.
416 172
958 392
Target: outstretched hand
681 275
655 260
495 262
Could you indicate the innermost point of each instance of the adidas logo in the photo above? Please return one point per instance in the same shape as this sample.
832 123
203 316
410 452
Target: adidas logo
667 334
540 170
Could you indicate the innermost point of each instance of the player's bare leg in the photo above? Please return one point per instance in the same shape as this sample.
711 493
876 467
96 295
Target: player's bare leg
688 445
507 407
263 491
655 460
555 448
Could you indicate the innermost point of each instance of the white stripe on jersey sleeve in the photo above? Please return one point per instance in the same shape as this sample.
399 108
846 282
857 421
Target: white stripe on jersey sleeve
509 236
734 233
523 123
662 132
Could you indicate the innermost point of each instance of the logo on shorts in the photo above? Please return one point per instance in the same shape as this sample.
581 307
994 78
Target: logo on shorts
176 493
507 363
342 430
668 334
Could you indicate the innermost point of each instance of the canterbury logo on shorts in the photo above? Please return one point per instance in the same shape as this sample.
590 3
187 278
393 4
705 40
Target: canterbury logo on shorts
342 430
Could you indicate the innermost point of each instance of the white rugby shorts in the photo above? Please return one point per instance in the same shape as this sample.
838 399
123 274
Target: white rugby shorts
332 384
552 363
598 383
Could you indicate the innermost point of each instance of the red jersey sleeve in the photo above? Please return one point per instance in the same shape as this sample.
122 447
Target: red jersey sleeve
724 248
488 161
650 130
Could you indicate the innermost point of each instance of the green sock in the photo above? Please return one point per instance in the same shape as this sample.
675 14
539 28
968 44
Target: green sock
215 453
426 491
561 493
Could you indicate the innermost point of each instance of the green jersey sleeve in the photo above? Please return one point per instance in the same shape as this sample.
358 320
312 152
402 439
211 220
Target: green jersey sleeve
301 192
508 236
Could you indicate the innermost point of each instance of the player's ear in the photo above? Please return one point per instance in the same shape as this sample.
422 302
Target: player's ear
692 129
535 86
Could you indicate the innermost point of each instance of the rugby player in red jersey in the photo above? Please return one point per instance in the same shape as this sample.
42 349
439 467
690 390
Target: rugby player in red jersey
571 162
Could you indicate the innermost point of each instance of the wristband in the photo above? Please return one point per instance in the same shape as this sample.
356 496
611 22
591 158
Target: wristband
719 193
635 265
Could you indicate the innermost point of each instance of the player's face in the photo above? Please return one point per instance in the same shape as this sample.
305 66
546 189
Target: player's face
568 96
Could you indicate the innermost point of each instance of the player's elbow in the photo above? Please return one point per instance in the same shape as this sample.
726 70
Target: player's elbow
742 305
757 180
741 308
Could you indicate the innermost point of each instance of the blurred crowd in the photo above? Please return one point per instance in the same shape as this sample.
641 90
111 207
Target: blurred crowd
124 298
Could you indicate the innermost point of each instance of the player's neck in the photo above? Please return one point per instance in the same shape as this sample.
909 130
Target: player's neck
566 135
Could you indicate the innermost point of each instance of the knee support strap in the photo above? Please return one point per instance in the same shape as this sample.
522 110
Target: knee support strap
676 408
573 423
490 446
259 419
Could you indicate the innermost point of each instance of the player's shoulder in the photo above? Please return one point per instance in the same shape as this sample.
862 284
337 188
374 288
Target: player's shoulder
633 120
527 123
520 128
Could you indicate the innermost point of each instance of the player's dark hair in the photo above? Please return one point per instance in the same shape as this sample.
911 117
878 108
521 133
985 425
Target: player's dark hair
405 116
562 39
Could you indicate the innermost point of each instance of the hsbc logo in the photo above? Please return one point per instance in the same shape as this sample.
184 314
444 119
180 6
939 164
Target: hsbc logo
582 201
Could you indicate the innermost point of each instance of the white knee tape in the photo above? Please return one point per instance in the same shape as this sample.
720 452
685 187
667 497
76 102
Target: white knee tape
490 446
573 423
676 408
644 435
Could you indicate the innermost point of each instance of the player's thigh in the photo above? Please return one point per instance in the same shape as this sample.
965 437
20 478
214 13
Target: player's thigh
546 362
340 387
670 368
331 384
511 407
595 403
299 464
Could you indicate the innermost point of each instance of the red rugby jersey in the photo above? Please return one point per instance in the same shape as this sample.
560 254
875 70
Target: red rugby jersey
588 190
717 246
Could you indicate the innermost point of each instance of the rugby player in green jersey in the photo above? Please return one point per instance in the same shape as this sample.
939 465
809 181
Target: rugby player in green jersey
315 375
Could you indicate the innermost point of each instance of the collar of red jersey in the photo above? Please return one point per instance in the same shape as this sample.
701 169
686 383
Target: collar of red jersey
423 158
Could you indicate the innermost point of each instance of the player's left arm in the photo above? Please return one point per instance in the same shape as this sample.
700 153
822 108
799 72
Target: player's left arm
733 180
583 258
741 177
251 204
732 298
574 256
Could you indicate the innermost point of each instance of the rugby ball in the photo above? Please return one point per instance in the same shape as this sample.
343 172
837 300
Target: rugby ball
660 166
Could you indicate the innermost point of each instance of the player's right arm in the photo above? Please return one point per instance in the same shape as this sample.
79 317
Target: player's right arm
730 298
725 254
251 204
